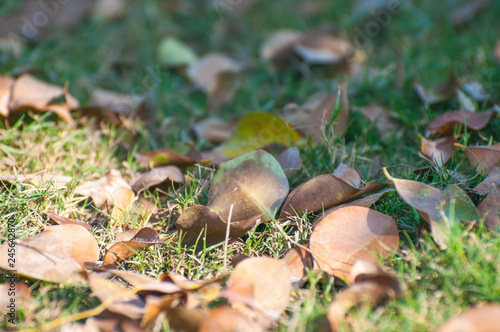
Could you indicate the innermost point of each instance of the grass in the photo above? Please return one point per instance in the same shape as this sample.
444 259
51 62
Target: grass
121 56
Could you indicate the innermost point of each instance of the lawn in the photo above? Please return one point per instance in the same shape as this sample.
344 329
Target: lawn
418 43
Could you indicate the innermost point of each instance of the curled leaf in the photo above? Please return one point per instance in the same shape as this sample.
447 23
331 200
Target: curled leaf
445 124
101 190
162 177
60 220
440 150
163 157
483 158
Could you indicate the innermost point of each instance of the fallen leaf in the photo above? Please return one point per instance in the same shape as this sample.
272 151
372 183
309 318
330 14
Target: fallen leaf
183 319
108 321
439 93
478 319
57 254
145 238
446 123
476 90
348 175
323 49
265 284
384 121
278 47
254 184
468 11
227 319
163 157
215 130
60 220
297 261
215 74
123 200
349 234
174 53
324 192
18 296
290 161
484 157
440 150
162 178
6 83
109 9
492 180
255 131
490 209
101 190
45 180
372 286
203 225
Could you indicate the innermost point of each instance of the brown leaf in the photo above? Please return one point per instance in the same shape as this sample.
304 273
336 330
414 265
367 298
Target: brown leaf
297 261
215 74
124 301
484 157
46 180
254 184
6 83
439 93
109 321
349 234
372 286
101 190
261 283
323 49
492 180
163 157
162 178
290 161
468 11
348 175
478 319
145 238
384 121
324 192
227 319
490 209
19 295
445 124
60 220
196 219
440 150
215 130
184 319
57 254
278 47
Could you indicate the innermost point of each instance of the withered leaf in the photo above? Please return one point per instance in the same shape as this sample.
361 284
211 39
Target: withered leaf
484 157
196 219
490 209
439 93
297 261
261 283
6 83
162 177
57 254
278 47
440 150
123 200
215 74
349 234
254 184
492 180
101 190
290 160
323 49
163 157
21 294
60 220
348 175
383 119
145 238
215 130
445 124
479 319
468 11
324 192
46 180
227 319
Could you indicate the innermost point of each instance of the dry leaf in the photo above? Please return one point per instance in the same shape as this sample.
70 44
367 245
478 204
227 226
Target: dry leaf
163 157
278 47
254 184
227 319
60 220
468 11
57 254
440 150
490 209
262 284
492 180
479 319
6 83
45 180
198 219
348 175
101 190
145 238
384 121
290 161
371 287
324 192
484 157
445 124
255 131
349 234
162 178
123 200
297 261
215 130
215 74
107 321
439 93
323 49
15 295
